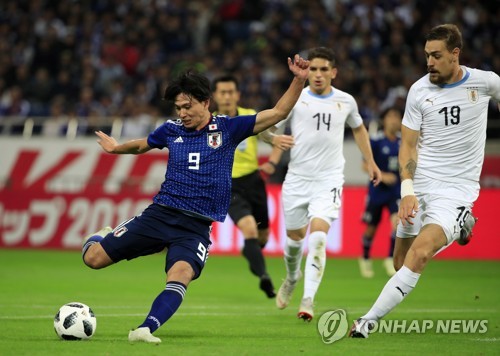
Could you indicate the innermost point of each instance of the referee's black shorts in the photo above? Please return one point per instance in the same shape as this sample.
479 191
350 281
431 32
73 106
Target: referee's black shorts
249 197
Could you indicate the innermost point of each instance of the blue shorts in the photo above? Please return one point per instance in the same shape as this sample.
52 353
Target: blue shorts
187 238
373 211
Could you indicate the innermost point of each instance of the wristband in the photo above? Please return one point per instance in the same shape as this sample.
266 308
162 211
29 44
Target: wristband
272 164
407 188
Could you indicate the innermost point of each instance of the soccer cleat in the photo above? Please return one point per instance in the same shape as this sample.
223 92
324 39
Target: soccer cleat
306 311
361 328
142 335
389 266
267 286
103 232
285 292
466 232
366 268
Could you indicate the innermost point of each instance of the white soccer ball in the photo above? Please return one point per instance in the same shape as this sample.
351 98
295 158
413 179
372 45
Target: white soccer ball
75 321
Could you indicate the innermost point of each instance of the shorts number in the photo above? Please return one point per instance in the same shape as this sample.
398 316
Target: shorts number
336 193
462 216
194 160
202 254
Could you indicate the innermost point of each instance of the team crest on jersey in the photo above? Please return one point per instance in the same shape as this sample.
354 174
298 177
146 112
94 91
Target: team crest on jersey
215 139
473 95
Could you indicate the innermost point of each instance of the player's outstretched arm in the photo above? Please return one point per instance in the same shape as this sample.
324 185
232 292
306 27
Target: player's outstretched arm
407 166
300 69
363 141
110 145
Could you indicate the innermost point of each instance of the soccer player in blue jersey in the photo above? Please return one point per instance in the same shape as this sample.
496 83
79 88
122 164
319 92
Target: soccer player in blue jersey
385 148
195 193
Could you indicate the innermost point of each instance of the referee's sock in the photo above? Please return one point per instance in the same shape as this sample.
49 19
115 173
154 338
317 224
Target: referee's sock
253 254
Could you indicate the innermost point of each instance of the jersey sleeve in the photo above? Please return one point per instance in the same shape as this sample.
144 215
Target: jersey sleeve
493 85
156 139
354 119
412 117
241 127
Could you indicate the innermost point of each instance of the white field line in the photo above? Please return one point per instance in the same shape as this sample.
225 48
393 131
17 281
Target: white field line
217 310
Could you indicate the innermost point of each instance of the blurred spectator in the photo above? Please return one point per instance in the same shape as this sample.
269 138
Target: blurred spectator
14 104
119 48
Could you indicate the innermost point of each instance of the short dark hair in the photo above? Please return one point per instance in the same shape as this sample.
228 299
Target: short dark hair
190 83
389 109
323 52
448 33
224 79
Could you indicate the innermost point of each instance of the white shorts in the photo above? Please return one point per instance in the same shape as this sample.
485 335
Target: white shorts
441 203
306 199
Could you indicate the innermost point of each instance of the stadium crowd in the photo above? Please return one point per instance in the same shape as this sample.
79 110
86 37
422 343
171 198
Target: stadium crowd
96 60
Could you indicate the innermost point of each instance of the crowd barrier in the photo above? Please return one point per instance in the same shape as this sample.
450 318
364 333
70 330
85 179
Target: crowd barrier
53 194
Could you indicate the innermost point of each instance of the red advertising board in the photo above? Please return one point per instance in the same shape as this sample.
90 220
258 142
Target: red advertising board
53 196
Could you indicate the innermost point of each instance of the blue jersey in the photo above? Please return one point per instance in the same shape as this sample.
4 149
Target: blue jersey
385 153
198 177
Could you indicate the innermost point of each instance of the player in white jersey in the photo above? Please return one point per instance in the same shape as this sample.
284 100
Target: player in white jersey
445 120
313 184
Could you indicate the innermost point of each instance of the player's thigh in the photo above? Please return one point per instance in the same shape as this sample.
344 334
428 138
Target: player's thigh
133 238
191 248
326 200
295 198
446 204
449 212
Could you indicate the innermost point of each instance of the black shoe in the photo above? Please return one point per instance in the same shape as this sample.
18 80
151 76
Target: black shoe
267 286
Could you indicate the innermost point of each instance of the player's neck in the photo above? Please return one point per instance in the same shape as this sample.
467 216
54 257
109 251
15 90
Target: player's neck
457 76
229 112
321 92
391 136
204 123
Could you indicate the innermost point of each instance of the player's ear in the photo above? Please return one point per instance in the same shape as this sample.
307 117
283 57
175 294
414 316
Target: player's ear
456 54
334 72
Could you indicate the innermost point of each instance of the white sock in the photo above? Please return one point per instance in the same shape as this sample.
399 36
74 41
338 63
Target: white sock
315 263
395 290
293 257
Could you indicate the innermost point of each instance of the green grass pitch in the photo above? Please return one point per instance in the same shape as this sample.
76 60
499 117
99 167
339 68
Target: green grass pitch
224 312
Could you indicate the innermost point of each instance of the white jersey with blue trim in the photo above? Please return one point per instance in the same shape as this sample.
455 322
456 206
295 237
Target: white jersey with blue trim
452 122
198 177
317 123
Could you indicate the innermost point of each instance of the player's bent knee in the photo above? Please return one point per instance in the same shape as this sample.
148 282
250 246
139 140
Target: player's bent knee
418 257
96 258
182 272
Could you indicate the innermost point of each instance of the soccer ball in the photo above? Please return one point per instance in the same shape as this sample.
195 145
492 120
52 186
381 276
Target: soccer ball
75 321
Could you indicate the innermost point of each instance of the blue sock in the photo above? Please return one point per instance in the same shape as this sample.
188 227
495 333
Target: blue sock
165 305
92 240
367 245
